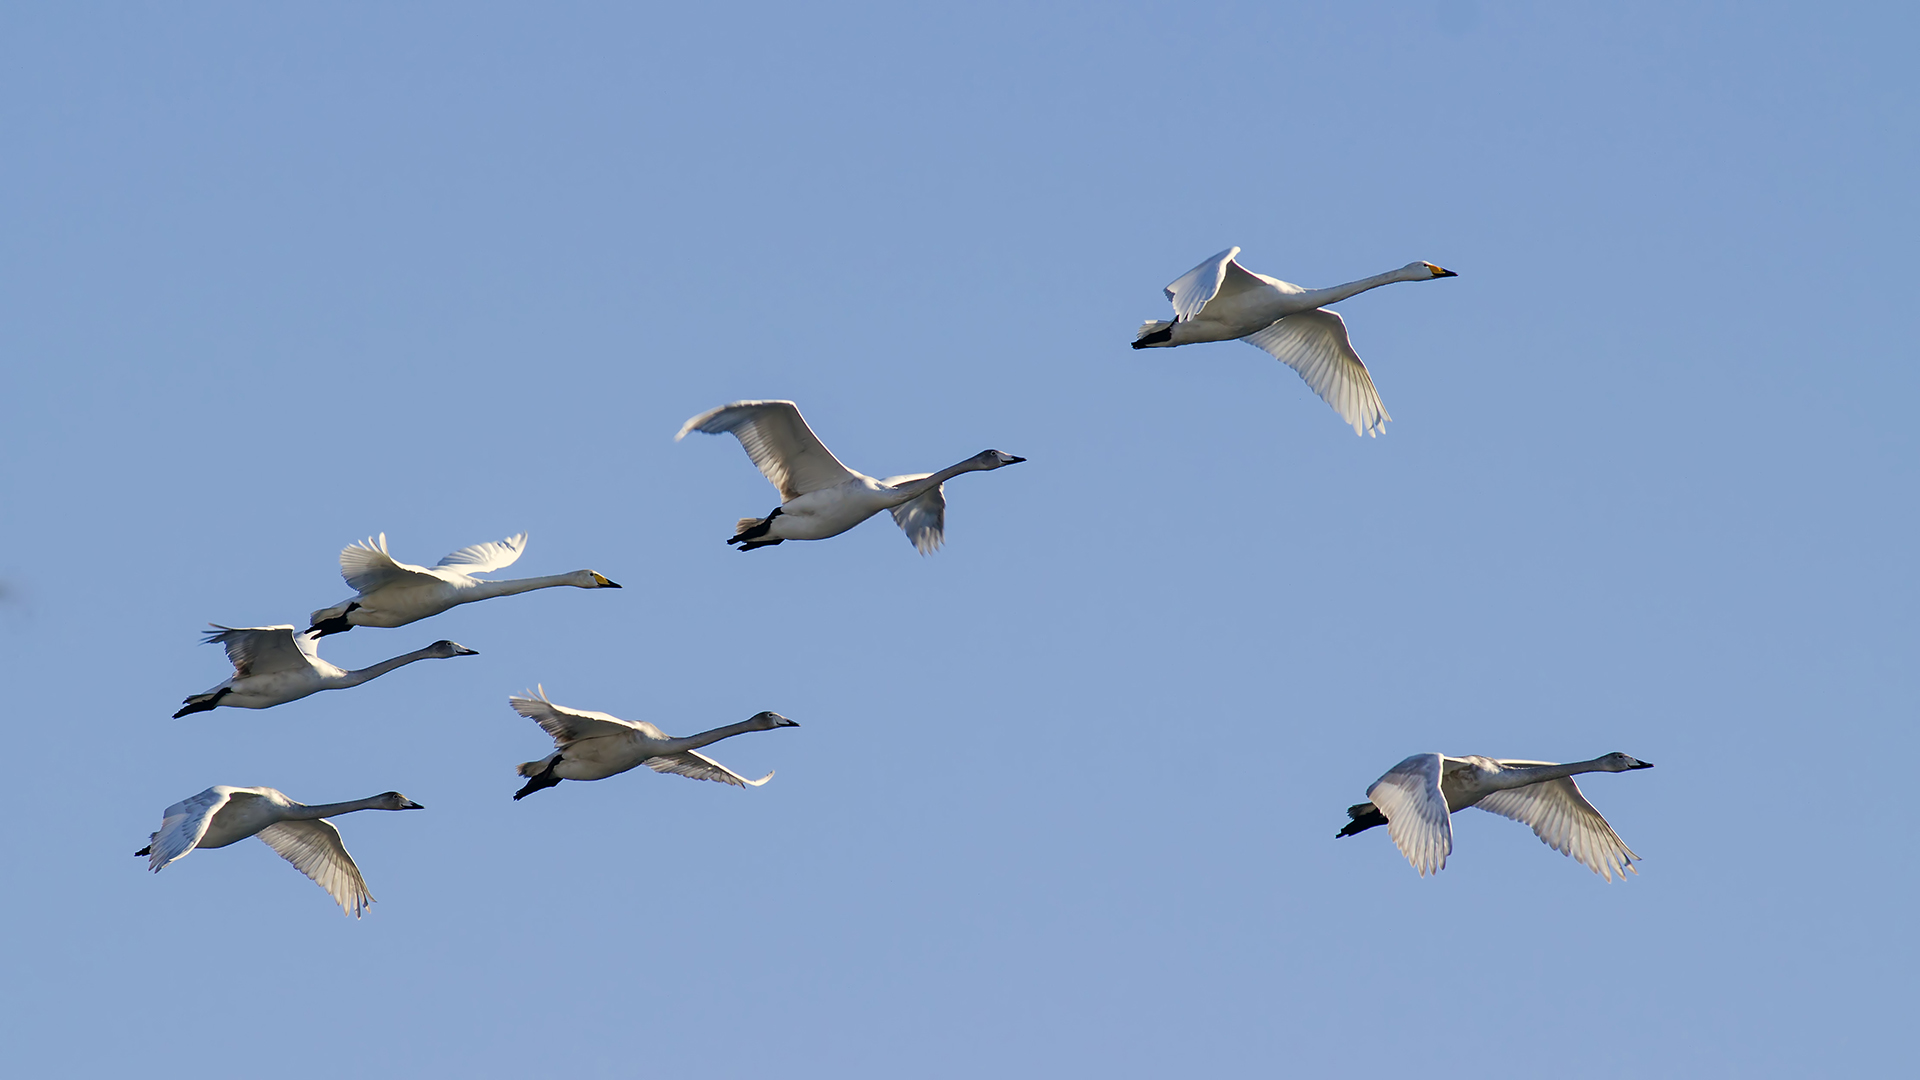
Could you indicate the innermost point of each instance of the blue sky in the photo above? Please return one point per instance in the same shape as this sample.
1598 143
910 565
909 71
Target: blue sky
1064 796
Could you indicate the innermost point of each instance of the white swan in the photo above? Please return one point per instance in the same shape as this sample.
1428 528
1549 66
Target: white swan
819 497
272 665
223 815
1415 798
393 593
594 746
1220 300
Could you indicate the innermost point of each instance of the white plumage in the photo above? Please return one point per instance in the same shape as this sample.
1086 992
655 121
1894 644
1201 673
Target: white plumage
273 665
595 745
392 593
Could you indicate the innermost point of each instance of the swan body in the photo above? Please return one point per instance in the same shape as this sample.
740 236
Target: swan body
1416 798
819 497
223 815
594 746
393 593
272 665
1220 300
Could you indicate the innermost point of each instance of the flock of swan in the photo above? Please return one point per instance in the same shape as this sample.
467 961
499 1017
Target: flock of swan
1218 300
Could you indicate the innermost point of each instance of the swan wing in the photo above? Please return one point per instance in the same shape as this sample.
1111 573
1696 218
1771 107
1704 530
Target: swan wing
314 849
701 767
923 519
184 823
1417 819
482 558
1315 344
1220 275
571 725
1560 815
780 443
264 650
368 568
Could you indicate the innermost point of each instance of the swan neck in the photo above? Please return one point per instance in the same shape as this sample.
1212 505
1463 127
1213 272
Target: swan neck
707 738
484 590
1323 297
917 488
310 812
360 675
1523 775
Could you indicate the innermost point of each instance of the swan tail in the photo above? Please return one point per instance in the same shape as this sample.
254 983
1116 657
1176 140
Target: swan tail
1365 816
540 774
1153 332
203 702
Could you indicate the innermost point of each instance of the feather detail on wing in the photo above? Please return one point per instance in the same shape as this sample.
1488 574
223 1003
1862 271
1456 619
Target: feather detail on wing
1190 291
782 446
1560 815
701 767
1416 812
571 725
482 558
264 650
184 823
368 567
924 518
1315 344
314 849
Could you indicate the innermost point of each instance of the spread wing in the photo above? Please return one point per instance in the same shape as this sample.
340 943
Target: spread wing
923 519
701 767
1560 815
780 443
1217 276
571 725
263 650
314 849
1314 343
482 558
1409 795
183 825
367 567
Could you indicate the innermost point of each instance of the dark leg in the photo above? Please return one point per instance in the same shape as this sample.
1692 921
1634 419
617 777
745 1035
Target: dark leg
540 781
203 702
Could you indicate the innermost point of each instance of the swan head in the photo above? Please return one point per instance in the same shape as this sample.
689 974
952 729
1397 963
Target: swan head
994 459
1424 271
393 800
594 579
1623 762
442 650
767 721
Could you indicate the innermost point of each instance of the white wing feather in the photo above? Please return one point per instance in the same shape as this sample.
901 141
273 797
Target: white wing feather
184 823
1416 811
264 650
1560 815
701 767
780 443
314 849
1315 344
482 558
570 725
1191 290
368 567
923 519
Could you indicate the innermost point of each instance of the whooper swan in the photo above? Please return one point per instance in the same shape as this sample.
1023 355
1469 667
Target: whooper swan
393 593
594 746
272 665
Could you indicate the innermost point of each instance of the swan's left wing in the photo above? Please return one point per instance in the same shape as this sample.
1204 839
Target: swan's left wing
1417 819
482 558
571 725
701 767
263 650
184 824
782 446
314 849
368 567
923 519
1220 275
1560 815
1315 344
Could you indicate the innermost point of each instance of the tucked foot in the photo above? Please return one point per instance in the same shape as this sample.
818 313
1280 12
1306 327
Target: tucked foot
751 544
1158 337
203 702
539 782
1365 816
148 850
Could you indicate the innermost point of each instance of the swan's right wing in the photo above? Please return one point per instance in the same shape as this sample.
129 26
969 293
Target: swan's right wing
367 567
701 767
263 650
314 849
1560 815
571 725
780 443
1315 344
1417 819
1219 275
923 519
183 825
482 558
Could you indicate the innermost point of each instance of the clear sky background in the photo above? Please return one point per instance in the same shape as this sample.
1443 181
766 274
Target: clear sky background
277 278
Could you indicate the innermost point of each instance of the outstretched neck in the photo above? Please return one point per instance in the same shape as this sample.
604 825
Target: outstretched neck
915 488
304 812
707 738
483 590
1514 776
360 675
1323 297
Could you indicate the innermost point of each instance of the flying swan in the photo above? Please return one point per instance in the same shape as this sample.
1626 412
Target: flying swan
1220 300
223 815
594 746
819 497
1415 798
272 665
393 593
